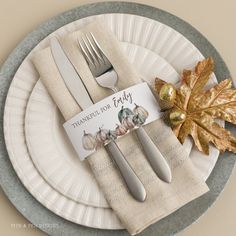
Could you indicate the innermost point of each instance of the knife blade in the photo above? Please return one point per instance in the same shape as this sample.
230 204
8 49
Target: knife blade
81 95
70 76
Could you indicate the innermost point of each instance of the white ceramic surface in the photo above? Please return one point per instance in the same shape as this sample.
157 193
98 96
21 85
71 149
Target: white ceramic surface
48 144
162 40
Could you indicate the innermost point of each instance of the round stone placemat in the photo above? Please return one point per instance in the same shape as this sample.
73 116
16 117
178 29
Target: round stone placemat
52 224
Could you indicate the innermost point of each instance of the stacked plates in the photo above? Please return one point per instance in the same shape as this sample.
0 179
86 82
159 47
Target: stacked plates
37 145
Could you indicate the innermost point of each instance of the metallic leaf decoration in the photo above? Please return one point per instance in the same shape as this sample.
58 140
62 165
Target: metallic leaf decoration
202 107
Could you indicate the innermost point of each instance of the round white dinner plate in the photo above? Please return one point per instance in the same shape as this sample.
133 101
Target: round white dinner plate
146 33
48 144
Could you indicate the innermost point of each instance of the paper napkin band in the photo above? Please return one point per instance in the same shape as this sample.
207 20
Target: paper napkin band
162 198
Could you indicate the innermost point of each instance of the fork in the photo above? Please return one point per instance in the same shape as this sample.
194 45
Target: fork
106 77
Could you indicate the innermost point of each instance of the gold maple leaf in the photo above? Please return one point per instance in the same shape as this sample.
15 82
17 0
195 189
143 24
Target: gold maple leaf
201 108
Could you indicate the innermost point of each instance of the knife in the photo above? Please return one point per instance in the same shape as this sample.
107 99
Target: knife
81 95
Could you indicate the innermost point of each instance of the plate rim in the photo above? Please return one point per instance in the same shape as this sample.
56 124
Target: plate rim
225 161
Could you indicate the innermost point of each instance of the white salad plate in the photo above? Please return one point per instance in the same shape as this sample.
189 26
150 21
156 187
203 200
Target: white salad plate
37 146
50 148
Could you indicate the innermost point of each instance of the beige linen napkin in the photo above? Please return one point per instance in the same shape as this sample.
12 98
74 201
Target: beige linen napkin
162 198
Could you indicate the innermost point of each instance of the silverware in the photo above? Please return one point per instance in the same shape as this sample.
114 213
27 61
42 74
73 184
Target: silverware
107 77
81 95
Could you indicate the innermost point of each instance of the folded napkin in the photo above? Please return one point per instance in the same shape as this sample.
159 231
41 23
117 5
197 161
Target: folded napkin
162 198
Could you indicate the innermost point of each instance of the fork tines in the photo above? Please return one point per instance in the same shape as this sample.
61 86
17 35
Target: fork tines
93 54
90 48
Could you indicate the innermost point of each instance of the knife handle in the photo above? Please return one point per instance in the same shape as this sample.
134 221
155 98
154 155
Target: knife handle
132 181
154 156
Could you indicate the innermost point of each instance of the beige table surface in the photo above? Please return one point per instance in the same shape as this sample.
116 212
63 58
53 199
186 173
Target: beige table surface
215 19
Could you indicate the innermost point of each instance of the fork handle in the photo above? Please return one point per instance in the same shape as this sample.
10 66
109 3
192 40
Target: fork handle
132 181
154 156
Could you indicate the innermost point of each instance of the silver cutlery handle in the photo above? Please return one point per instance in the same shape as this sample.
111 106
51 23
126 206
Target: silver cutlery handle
134 184
154 156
